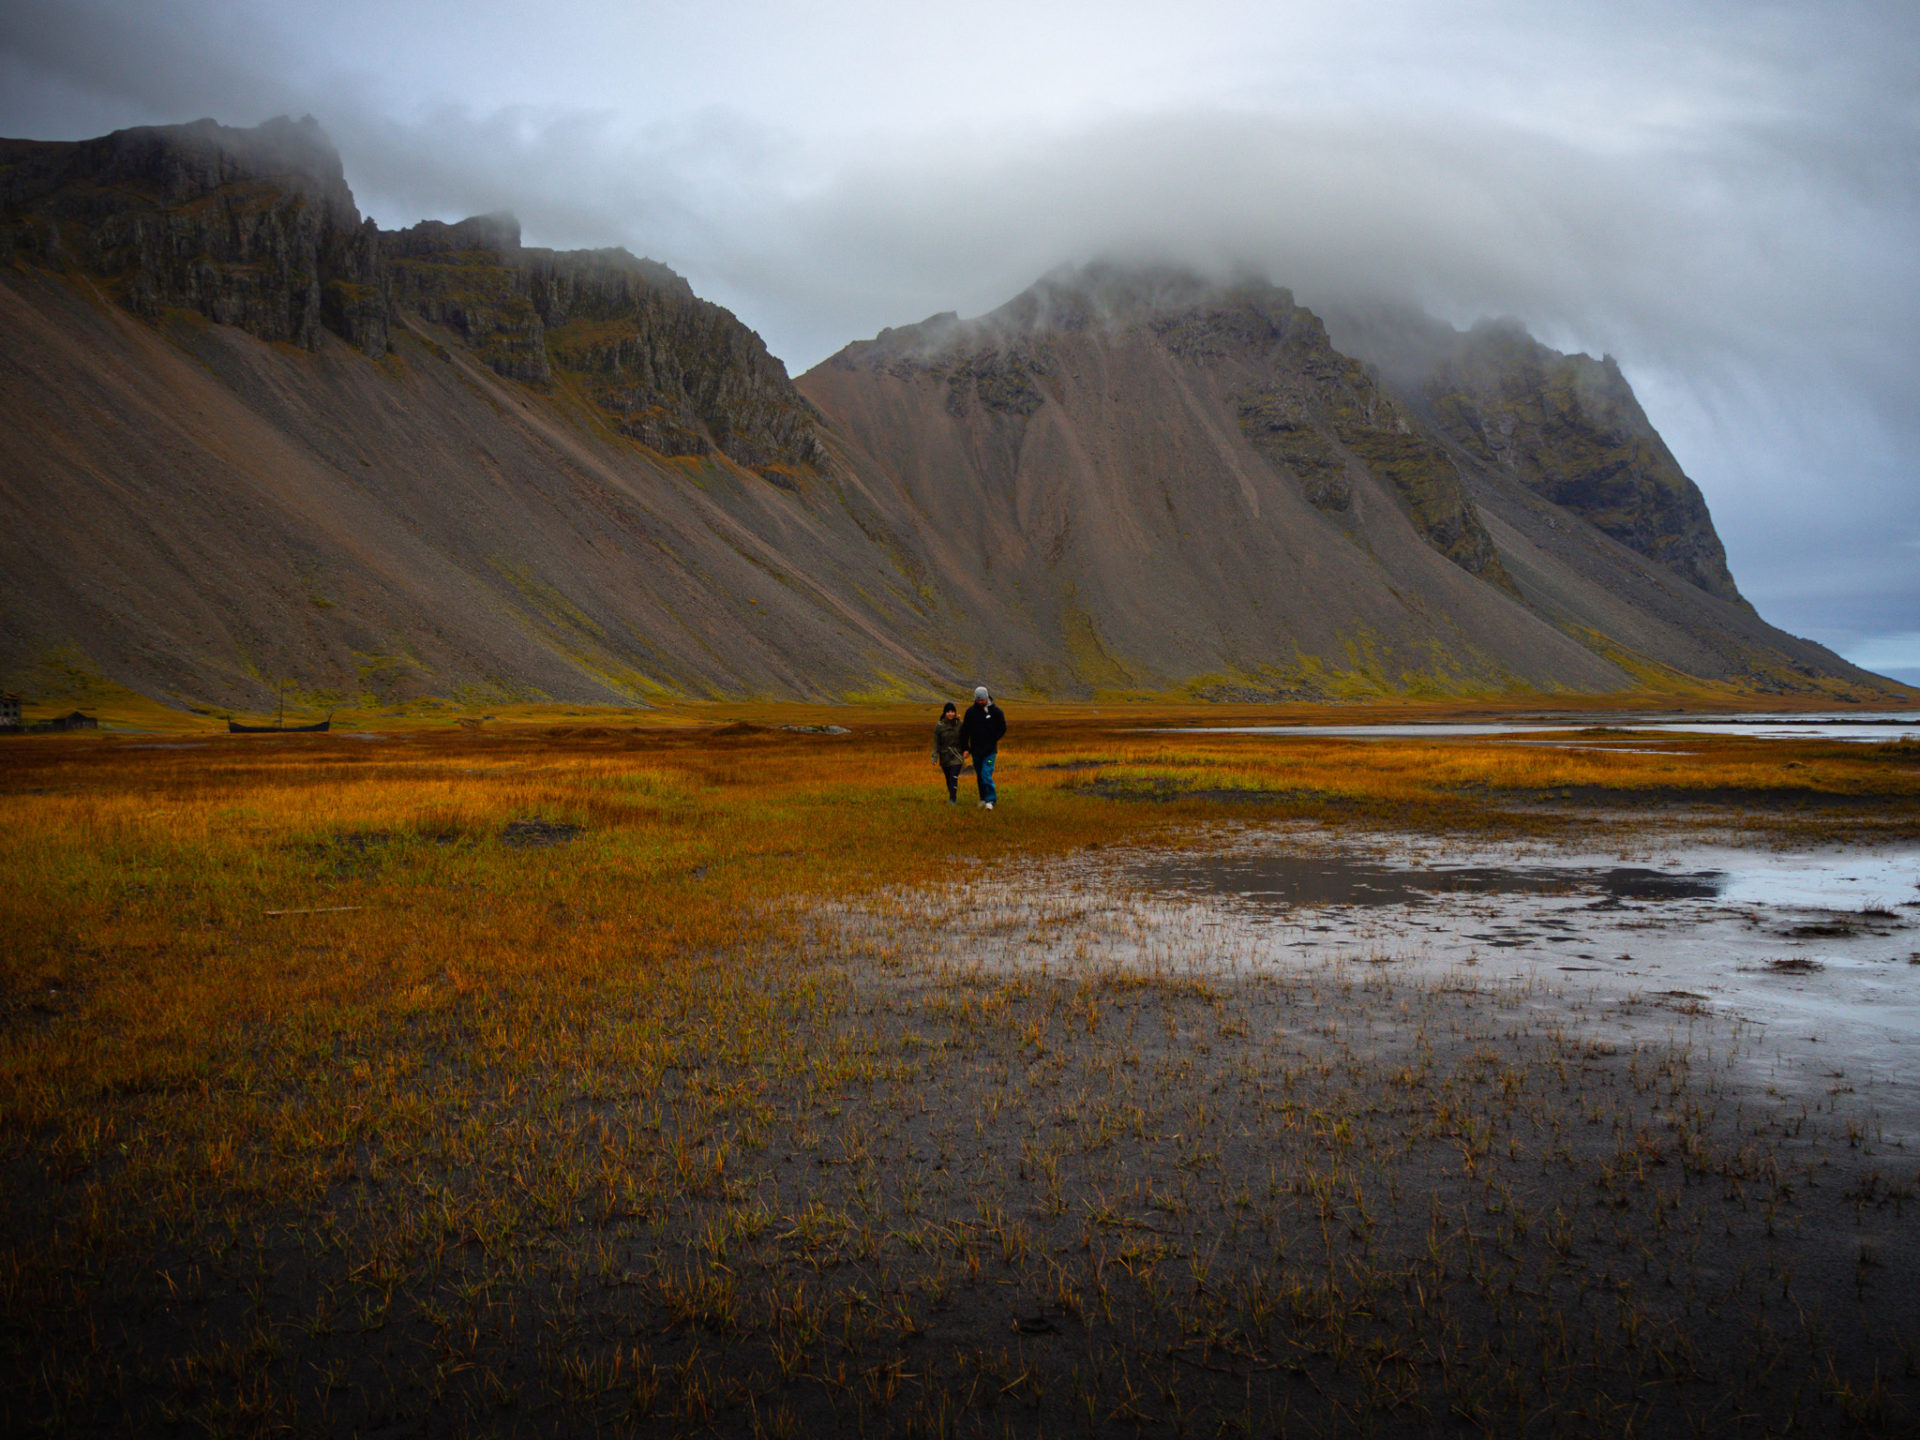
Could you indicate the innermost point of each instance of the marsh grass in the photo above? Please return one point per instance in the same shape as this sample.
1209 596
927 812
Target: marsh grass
549 1101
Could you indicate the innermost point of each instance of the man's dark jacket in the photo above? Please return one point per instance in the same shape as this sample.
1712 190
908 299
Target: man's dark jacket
982 728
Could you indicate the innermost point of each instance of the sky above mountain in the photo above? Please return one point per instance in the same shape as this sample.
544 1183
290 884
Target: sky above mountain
1725 196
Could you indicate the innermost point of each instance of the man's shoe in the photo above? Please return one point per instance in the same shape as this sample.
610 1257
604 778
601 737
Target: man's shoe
989 804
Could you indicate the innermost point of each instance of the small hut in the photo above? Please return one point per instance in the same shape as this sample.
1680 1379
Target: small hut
74 720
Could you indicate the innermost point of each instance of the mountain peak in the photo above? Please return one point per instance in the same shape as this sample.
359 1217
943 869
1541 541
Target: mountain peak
498 232
1114 293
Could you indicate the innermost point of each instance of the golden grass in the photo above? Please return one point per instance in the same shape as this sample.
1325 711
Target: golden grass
56 689
140 879
361 1005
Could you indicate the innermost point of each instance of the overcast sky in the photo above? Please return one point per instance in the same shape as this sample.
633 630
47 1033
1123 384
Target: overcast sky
1726 196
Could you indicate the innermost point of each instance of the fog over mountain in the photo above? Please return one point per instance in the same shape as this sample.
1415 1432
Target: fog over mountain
1724 197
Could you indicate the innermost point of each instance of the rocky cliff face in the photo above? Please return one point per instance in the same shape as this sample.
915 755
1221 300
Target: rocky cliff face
252 228
1569 428
257 229
466 277
1324 413
679 374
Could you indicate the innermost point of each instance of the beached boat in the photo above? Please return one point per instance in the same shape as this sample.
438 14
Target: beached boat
234 727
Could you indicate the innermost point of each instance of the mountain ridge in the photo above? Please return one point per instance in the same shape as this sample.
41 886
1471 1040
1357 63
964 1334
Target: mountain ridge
261 442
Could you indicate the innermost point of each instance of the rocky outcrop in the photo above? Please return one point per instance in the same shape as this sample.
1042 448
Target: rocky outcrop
670 370
679 374
257 229
1321 413
1566 427
999 369
251 228
467 278
1570 429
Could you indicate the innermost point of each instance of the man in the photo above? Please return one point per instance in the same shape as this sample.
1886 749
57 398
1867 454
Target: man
980 734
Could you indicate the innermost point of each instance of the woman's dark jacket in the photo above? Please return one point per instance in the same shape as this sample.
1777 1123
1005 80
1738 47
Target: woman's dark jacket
980 732
946 744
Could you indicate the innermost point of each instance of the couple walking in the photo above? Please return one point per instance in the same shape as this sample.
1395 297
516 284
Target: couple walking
978 735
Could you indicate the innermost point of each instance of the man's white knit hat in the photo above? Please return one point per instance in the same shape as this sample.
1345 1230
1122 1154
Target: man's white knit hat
979 692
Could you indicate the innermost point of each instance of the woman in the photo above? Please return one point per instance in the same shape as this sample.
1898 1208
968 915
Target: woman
946 750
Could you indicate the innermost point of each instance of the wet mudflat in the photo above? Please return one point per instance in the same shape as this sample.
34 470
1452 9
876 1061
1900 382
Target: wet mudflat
1863 728
1404 1135
1714 924
1332 878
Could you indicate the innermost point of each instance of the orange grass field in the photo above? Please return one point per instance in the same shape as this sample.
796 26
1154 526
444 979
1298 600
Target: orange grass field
330 1065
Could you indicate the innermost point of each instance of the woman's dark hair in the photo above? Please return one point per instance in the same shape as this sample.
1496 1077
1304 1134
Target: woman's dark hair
949 707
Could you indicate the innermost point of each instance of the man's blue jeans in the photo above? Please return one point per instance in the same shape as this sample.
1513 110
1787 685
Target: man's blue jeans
983 775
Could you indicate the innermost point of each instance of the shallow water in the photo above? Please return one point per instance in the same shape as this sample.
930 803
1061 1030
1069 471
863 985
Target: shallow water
1816 954
1867 729
1805 965
1334 879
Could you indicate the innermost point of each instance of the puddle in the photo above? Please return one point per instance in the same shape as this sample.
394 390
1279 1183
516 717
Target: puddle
1816 954
1806 965
1286 880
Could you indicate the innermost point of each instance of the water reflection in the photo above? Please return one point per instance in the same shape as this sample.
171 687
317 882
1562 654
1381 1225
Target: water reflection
1286 880
1864 729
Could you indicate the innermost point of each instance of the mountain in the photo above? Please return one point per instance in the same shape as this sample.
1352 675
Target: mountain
255 441
1135 478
